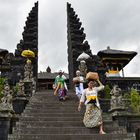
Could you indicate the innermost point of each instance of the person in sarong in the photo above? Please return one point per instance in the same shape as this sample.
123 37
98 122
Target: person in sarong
93 113
60 86
78 82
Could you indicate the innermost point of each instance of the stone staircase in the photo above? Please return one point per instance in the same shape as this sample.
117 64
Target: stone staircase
46 118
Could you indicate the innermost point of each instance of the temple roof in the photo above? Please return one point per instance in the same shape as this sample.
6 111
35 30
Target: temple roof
116 58
110 52
47 75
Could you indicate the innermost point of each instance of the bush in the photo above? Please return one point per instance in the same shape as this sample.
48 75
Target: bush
127 95
107 92
127 100
2 82
15 89
135 101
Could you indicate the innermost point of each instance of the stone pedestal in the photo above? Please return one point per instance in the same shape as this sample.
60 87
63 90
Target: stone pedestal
19 104
130 121
105 104
4 125
117 111
138 132
28 88
14 119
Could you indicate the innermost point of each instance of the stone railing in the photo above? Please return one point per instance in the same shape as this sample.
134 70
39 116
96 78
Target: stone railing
11 107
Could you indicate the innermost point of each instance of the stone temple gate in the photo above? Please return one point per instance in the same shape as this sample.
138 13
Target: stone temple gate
78 44
12 64
107 63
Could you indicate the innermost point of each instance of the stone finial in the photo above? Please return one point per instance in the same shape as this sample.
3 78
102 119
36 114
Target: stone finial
108 47
48 69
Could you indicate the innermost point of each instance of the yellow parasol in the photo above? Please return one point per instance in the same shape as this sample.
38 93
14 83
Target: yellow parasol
28 53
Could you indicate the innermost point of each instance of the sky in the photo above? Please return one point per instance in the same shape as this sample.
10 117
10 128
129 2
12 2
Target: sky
114 23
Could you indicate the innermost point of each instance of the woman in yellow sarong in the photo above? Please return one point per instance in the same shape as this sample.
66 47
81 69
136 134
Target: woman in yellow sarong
93 114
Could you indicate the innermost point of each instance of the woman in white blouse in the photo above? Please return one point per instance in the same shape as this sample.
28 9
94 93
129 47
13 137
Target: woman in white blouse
93 114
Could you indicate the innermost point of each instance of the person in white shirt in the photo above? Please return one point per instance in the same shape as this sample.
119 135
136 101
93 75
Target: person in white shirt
79 84
93 114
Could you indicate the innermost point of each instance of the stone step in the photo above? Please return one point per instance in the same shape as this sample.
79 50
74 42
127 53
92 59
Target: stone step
50 106
53 110
52 114
62 123
53 98
70 92
52 103
61 111
50 95
52 118
55 107
47 95
73 95
71 109
44 106
66 130
76 137
58 113
59 116
32 118
108 126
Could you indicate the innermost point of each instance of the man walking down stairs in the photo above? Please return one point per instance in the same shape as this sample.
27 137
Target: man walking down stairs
47 118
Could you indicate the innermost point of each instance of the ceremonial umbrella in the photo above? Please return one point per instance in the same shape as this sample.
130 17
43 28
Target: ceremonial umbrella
28 53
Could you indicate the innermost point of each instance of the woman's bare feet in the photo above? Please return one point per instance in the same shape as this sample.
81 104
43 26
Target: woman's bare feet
102 132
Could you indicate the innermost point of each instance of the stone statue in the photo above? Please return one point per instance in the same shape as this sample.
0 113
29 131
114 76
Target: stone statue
6 100
116 98
33 85
83 68
28 73
21 88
